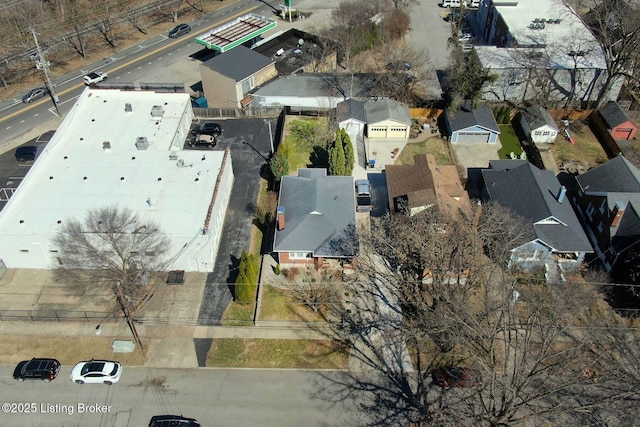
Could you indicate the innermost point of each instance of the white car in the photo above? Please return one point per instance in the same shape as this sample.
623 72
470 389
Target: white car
465 38
96 372
94 77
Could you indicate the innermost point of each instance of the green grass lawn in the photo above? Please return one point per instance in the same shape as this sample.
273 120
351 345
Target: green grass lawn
274 353
510 142
302 152
434 145
278 305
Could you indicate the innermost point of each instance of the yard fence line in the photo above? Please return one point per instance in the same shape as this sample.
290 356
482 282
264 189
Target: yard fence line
236 113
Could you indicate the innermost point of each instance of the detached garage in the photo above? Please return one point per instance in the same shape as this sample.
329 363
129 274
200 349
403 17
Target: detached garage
618 121
472 126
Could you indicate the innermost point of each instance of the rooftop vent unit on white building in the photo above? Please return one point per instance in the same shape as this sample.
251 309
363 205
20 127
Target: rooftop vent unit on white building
142 143
106 145
128 108
157 111
173 155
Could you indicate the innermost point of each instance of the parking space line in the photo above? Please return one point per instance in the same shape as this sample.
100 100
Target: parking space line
6 193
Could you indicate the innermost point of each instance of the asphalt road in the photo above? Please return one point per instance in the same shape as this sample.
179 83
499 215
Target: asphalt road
138 63
215 397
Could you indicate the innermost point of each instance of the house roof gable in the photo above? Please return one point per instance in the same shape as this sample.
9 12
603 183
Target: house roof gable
387 109
532 193
350 109
319 214
617 175
538 117
238 63
481 116
613 115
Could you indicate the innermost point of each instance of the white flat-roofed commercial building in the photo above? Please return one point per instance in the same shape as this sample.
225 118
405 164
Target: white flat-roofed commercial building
540 49
124 149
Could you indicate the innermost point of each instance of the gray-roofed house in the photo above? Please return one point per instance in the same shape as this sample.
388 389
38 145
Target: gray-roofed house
313 91
351 116
538 125
469 125
558 242
316 218
387 131
227 78
618 122
607 201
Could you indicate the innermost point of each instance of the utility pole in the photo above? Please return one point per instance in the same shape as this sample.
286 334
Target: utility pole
127 314
42 64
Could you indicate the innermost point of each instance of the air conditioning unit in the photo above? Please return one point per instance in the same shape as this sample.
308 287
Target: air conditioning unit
142 143
157 111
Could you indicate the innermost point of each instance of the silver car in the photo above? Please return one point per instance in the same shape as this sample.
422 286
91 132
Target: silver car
34 94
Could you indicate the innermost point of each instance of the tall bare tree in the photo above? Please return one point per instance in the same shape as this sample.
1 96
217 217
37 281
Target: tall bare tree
111 245
546 353
616 24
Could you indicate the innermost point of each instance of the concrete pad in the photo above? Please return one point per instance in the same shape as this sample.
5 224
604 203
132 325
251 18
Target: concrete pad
475 155
171 353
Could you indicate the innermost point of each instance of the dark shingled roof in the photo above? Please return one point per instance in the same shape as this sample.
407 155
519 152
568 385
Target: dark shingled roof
238 63
320 214
350 109
613 115
617 175
537 117
481 116
620 180
532 193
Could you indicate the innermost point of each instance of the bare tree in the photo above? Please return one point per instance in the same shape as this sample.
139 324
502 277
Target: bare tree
137 17
616 24
313 288
107 21
545 353
403 5
112 245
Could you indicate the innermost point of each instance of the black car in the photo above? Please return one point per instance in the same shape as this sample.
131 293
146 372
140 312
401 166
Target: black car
172 421
26 153
179 30
37 369
213 129
34 94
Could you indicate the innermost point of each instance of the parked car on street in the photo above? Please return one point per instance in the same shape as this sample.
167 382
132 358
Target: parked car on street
33 94
179 30
213 129
25 153
94 77
96 372
172 421
37 369
456 377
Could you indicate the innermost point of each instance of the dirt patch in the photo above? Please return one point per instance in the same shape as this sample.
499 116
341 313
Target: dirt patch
585 153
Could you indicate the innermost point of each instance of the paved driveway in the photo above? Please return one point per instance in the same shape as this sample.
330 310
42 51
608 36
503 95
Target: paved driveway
249 143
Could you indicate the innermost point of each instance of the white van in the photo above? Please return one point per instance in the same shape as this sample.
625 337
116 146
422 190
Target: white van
450 3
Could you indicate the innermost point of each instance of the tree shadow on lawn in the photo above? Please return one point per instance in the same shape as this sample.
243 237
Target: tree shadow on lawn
319 158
